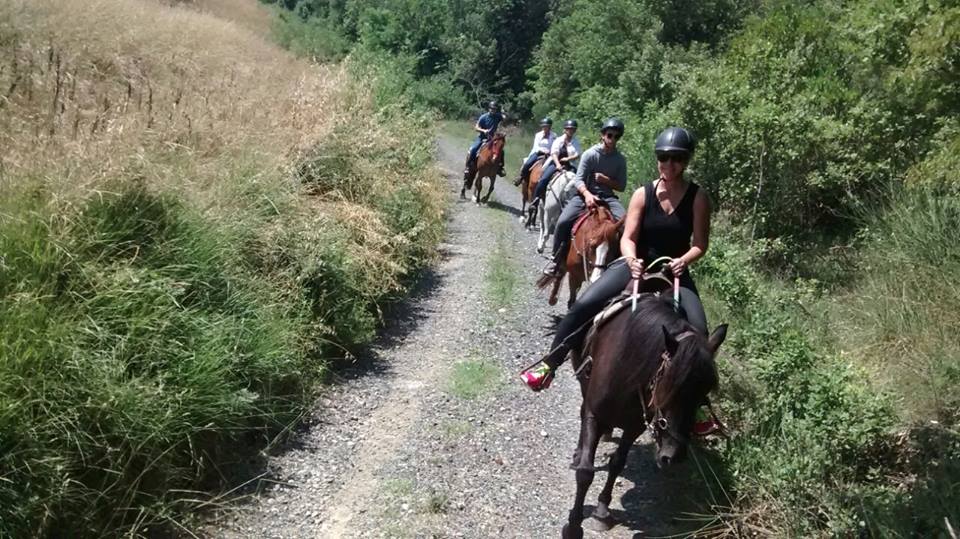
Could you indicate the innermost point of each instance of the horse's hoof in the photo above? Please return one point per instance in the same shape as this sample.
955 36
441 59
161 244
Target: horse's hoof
572 533
539 250
552 301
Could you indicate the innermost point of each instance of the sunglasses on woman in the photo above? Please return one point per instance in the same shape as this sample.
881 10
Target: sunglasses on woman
675 157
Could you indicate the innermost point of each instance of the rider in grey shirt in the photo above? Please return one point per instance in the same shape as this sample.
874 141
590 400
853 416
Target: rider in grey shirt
602 170
612 164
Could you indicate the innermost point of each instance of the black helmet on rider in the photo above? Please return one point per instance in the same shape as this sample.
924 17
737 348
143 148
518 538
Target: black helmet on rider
675 140
546 121
570 124
614 124
494 106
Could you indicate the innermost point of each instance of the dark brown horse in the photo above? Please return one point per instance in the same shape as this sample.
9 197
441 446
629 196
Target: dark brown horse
648 367
489 160
594 239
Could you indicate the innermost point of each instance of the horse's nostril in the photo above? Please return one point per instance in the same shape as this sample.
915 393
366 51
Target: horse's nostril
665 460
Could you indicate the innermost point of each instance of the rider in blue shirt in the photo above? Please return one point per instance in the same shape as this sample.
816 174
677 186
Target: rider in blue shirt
486 126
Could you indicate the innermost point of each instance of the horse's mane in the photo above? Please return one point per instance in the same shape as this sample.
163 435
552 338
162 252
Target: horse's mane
692 371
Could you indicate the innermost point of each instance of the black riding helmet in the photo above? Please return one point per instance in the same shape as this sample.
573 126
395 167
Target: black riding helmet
494 106
546 121
675 139
612 123
570 124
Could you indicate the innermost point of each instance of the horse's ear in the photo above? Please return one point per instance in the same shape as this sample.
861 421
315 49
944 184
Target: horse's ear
717 337
669 341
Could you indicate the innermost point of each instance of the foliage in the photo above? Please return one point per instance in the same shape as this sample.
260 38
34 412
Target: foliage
477 50
812 431
315 38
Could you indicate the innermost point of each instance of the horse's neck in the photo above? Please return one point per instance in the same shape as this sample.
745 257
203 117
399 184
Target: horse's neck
561 182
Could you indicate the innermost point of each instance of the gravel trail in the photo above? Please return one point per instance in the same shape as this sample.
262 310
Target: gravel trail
431 434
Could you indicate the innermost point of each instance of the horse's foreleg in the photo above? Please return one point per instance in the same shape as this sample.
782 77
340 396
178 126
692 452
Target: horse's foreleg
477 188
493 181
617 462
544 230
586 451
552 300
573 281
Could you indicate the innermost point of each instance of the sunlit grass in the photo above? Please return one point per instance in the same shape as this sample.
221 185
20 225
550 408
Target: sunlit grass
473 378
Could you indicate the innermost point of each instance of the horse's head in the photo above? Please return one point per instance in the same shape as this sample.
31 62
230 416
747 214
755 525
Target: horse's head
496 146
686 375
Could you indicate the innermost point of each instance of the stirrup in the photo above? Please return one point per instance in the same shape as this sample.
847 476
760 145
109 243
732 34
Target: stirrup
538 376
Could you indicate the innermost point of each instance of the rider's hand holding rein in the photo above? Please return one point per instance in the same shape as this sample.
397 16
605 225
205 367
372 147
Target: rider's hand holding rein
677 265
636 267
603 179
588 198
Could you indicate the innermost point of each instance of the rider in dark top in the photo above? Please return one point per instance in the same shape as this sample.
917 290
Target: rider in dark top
669 216
486 126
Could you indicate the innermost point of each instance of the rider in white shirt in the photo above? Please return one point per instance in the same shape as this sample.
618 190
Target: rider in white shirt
564 155
542 143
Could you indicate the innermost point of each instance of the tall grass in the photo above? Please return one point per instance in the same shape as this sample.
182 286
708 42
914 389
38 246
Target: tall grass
843 400
183 248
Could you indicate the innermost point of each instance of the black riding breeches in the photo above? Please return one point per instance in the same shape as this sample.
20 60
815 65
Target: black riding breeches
573 328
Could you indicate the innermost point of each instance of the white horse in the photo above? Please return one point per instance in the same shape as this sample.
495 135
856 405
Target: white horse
559 191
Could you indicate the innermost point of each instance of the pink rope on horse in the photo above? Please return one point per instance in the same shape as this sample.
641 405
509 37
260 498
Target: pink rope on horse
676 293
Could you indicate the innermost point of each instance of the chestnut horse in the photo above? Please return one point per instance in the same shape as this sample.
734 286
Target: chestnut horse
527 191
594 239
645 367
489 159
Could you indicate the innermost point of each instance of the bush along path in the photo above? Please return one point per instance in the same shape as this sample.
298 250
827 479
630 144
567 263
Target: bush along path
431 433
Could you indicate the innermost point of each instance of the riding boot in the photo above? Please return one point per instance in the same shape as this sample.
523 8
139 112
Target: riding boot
518 181
467 167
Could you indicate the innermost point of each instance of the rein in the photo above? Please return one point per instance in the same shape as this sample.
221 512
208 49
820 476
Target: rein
589 264
659 423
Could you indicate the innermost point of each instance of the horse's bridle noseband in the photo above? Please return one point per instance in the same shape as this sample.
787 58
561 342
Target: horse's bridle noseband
659 423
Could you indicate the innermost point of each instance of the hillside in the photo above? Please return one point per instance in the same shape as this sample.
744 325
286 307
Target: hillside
189 235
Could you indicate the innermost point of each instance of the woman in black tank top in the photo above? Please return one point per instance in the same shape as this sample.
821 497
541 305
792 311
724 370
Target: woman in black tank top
669 216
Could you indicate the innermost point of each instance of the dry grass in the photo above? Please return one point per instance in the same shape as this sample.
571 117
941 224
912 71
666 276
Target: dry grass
95 84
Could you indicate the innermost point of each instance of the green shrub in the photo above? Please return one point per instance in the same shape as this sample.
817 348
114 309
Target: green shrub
313 37
146 363
812 430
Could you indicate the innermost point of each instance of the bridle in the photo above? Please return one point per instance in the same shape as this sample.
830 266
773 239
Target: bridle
658 423
589 263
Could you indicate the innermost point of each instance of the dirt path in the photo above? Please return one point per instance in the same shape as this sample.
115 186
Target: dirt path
432 434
